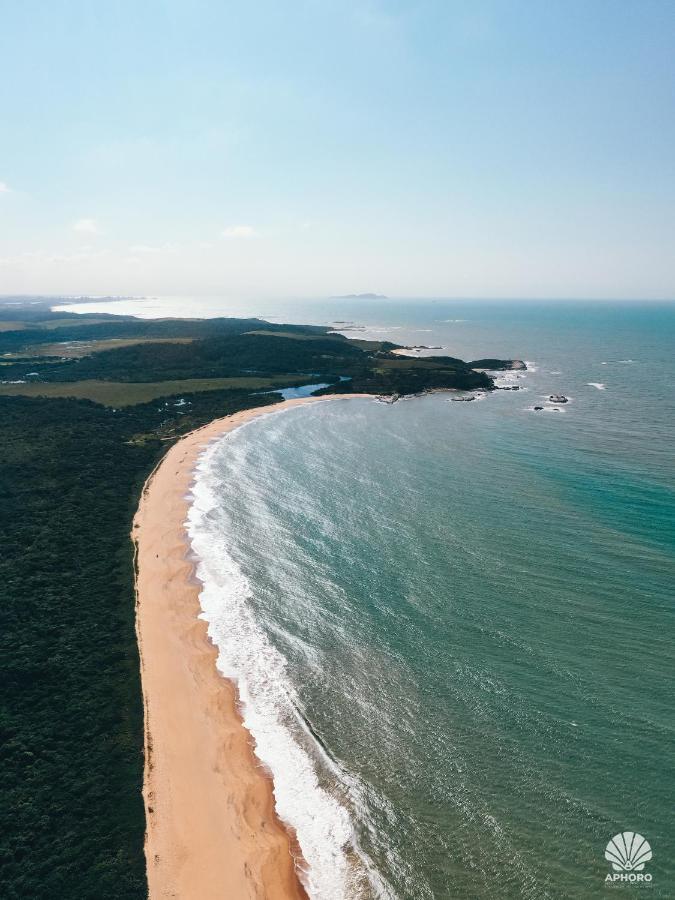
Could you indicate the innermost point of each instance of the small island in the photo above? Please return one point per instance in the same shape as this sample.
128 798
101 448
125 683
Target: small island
361 297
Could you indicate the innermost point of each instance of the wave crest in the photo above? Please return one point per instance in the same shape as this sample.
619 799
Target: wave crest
270 708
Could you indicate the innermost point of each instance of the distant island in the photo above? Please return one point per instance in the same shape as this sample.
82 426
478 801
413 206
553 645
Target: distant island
361 297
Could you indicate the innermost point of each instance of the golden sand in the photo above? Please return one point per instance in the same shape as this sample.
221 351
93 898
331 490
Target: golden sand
212 831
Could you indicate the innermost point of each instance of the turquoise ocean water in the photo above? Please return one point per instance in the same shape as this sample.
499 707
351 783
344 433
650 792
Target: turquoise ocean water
452 623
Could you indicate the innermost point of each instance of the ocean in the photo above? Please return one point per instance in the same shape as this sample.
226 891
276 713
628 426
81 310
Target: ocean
451 624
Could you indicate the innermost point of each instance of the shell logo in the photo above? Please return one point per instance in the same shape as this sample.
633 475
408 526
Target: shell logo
628 851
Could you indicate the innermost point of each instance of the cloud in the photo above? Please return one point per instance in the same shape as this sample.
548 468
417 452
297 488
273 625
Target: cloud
4 187
145 248
86 226
153 249
36 258
239 231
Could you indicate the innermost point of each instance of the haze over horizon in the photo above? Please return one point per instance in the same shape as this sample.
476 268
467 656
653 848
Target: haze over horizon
484 149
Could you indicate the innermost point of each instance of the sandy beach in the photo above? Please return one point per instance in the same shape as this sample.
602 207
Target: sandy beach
211 828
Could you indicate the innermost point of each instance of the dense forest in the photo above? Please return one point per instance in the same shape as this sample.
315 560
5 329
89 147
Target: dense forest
72 817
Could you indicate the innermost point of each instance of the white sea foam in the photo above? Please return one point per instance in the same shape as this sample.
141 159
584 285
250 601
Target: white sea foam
505 379
478 395
271 708
530 366
383 329
596 384
548 409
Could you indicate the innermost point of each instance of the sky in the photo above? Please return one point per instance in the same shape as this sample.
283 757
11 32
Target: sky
425 148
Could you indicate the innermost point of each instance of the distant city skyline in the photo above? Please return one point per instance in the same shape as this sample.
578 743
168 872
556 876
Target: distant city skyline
322 148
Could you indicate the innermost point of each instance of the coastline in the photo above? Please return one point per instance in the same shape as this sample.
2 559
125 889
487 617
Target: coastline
211 826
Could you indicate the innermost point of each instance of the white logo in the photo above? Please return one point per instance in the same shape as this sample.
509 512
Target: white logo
628 852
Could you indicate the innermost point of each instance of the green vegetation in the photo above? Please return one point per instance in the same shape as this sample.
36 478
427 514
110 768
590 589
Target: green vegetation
78 349
495 365
71 714
72 820
75 454
119 394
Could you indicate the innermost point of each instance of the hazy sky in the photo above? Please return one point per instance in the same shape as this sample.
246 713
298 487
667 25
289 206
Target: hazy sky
247 148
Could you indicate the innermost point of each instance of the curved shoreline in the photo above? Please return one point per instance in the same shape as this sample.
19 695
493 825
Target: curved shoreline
211 826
